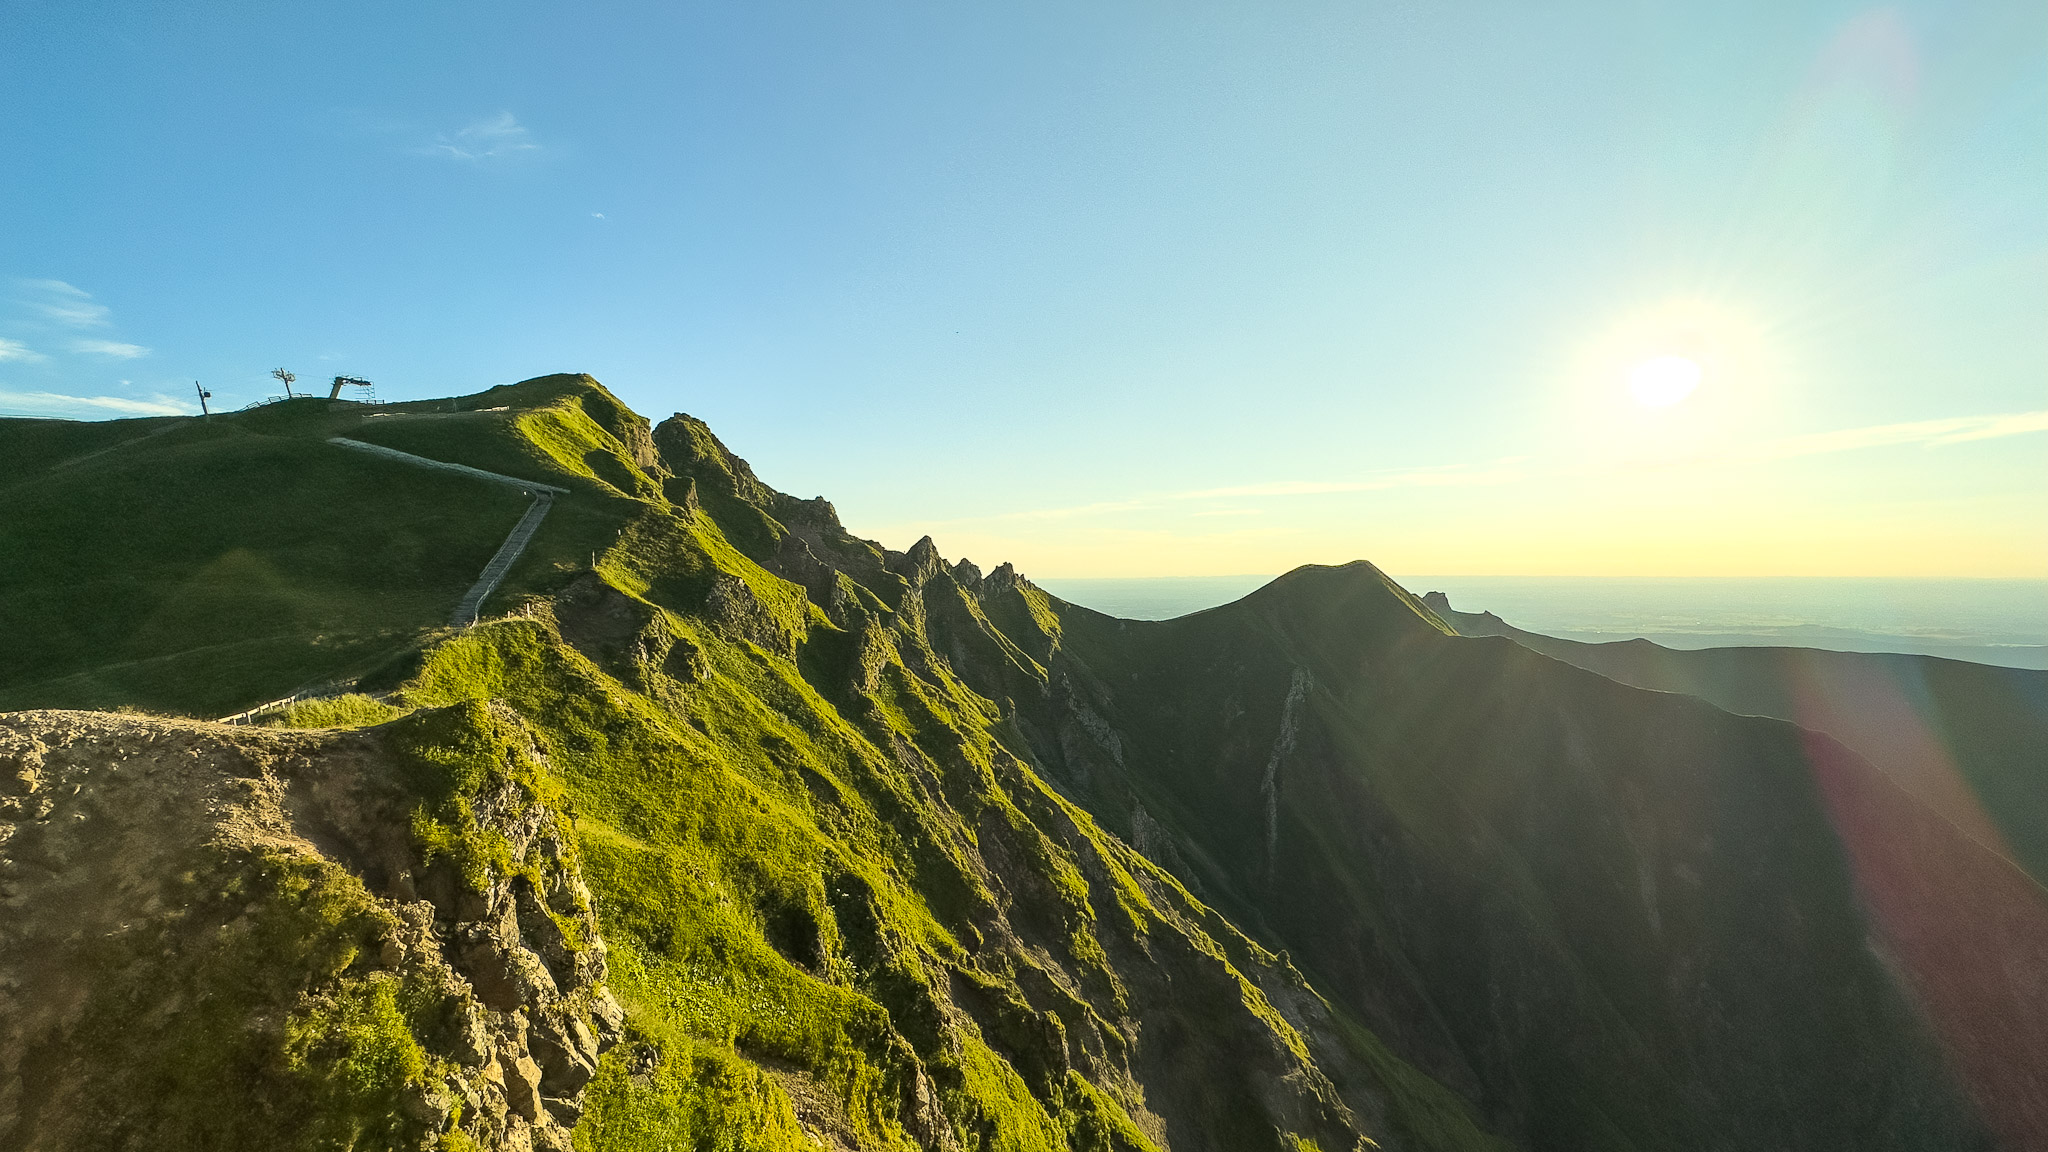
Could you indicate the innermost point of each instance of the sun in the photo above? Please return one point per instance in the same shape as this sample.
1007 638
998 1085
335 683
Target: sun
1682 378
1663 381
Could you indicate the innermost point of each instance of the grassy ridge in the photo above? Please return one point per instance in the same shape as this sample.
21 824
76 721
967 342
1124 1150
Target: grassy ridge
199 566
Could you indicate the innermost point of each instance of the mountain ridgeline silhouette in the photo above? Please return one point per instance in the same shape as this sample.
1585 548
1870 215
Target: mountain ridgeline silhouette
880 850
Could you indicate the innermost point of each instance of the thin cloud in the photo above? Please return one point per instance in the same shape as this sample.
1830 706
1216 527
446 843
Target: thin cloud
66 304
58 404
113 348
1452 476
1065 513
494 136
17 351
1993 427
1931 433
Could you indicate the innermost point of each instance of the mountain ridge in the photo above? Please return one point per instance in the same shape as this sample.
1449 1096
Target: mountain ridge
888 852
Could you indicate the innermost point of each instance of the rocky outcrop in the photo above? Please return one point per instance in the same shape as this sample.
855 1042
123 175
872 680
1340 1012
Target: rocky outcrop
294 920
735 607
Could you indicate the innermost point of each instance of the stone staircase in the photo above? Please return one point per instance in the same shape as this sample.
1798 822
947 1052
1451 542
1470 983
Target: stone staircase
501 563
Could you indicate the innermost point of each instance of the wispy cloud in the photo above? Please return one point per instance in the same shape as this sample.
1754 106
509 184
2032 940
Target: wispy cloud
493 136
58 404
113 348
1449 476
1932 433
64 303
1077 510
42 304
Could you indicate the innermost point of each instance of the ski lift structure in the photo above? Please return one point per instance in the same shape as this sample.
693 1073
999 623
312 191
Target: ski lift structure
367 393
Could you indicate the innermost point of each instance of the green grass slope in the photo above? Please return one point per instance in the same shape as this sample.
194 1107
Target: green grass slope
200 566
841 907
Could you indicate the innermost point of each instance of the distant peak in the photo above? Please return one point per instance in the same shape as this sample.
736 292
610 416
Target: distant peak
1357 587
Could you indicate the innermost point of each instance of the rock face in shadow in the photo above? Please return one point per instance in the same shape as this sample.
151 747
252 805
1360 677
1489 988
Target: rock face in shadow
225 938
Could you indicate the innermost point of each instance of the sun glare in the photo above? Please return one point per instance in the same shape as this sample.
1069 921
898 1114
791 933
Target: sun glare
1685 378
1662 381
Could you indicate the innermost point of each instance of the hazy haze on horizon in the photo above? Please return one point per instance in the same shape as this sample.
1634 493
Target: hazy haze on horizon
1988 621
1138 291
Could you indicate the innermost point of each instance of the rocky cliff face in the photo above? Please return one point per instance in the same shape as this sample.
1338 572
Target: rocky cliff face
219 938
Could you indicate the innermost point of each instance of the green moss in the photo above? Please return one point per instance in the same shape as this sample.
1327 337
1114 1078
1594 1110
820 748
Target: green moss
1097 1123
701 1096
356 1044
351 710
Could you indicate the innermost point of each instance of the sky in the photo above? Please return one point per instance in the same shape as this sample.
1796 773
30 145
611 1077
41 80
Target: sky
1614 289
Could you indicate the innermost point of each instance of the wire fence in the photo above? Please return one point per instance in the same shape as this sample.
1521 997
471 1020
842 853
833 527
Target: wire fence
315 692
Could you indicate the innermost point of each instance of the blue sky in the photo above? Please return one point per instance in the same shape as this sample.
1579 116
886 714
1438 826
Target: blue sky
1108 290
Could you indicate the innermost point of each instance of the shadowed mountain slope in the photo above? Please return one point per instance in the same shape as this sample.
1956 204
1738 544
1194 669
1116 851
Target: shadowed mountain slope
1969 740
889 852
1943 832
1618 919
